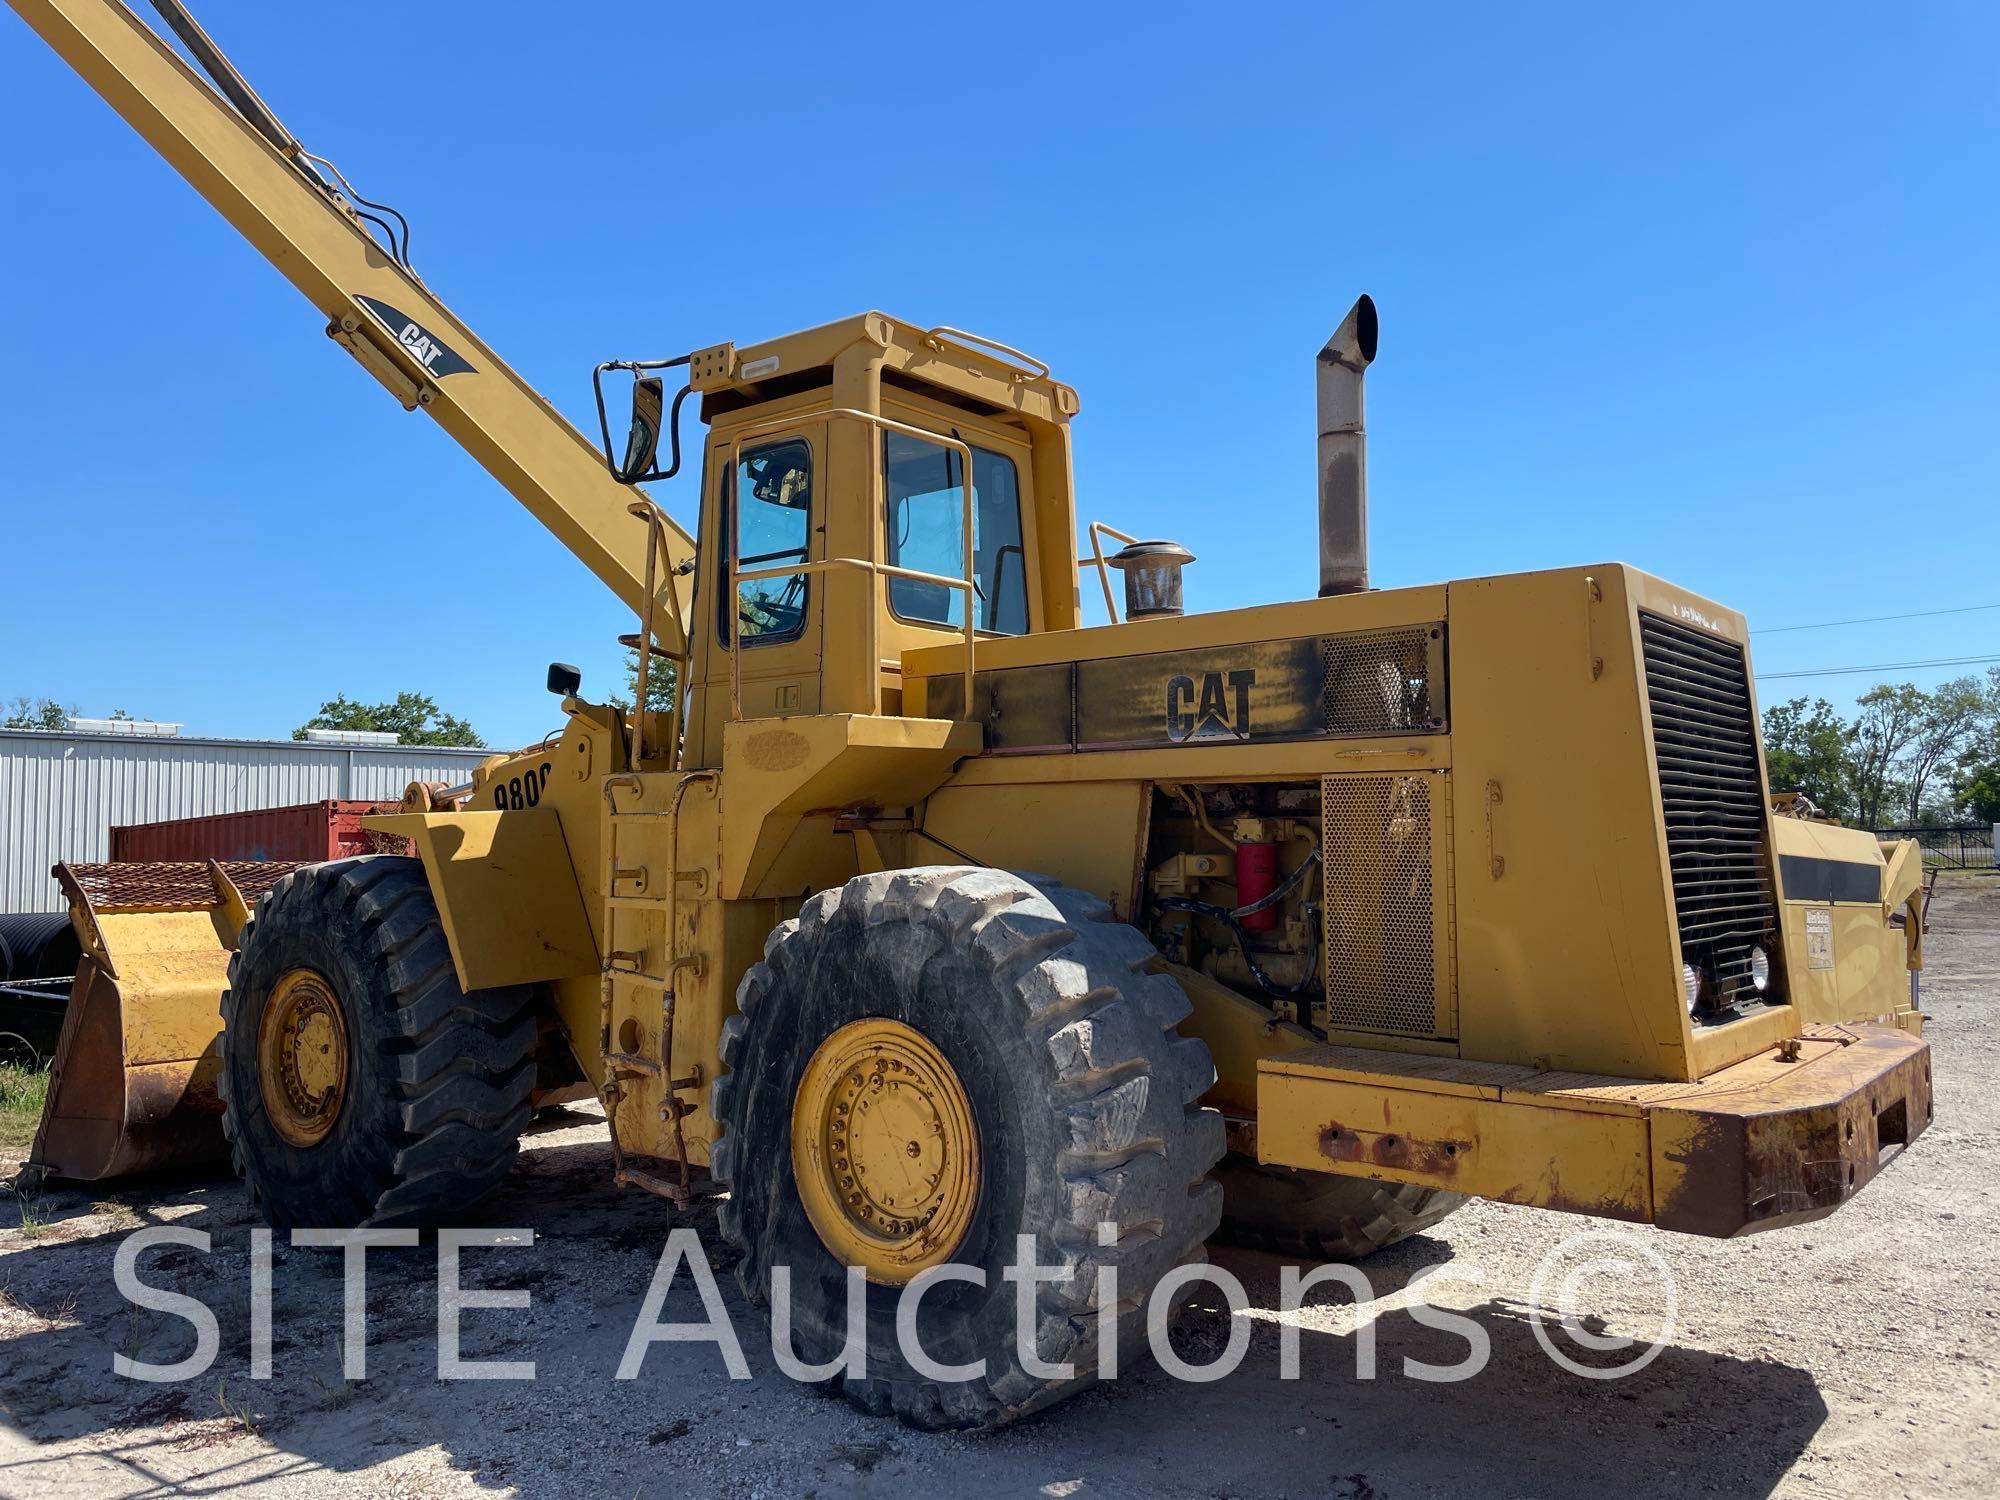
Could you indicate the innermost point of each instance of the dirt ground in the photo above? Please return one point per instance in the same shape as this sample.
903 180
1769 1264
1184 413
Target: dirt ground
1855 1356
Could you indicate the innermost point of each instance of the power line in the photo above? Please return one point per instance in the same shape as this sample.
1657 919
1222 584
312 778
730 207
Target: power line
1885 666
1922 614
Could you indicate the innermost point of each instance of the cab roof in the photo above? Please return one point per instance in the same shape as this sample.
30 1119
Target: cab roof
964 368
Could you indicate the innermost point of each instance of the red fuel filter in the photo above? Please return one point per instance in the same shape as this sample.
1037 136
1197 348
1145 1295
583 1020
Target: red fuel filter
1256 878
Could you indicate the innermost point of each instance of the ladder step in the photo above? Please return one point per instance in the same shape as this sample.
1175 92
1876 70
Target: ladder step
643 903
673 1193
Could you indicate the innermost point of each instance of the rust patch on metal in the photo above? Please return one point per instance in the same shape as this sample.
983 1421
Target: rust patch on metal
1609 1206
1797 1147
154 1096
1387 1148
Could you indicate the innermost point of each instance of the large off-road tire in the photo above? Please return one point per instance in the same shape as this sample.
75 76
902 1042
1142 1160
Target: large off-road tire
1083 1099
1320 1216
401 1099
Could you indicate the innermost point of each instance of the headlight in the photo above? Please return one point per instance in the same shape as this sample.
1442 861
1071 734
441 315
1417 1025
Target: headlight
1691 986
1760 969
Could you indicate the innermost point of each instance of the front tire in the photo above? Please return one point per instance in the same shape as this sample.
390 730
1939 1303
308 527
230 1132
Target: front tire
360 1084
1037 1005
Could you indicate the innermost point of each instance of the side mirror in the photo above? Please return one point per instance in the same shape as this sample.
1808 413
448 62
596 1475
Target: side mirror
651 421
564 679
642 438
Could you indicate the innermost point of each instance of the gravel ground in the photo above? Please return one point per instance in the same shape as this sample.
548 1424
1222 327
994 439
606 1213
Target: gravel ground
1855 1356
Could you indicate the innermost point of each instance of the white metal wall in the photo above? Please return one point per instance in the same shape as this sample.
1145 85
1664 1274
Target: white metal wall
60 794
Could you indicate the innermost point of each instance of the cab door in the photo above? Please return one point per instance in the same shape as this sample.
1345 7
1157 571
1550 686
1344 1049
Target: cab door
770 519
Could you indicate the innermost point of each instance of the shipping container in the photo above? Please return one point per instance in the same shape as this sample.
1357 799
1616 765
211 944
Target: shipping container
310 831
61 791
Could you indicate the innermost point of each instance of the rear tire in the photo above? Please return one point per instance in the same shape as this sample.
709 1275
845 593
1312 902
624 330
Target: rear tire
435 1088
1084 1103
1321 1216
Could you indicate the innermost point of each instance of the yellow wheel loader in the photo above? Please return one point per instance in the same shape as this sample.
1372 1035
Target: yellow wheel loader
930 917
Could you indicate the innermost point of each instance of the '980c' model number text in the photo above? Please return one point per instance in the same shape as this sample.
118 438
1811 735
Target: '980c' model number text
521 791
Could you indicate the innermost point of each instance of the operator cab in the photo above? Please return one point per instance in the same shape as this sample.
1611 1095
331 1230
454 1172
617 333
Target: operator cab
866 486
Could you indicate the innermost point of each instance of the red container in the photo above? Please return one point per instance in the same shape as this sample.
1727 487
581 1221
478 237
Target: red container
312 831
1256 878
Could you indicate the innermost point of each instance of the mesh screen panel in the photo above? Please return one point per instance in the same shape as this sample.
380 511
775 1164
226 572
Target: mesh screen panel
1383 681
174 886
1381 947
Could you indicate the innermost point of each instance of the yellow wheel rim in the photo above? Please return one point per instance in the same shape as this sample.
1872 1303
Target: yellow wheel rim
302 1057
885 1151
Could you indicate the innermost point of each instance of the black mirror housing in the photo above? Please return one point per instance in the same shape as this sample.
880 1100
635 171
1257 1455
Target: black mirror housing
564 679
642 438
652 420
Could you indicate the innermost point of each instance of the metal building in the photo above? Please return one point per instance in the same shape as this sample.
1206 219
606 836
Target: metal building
61 791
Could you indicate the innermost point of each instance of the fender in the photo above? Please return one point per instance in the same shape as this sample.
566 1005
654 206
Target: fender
506 891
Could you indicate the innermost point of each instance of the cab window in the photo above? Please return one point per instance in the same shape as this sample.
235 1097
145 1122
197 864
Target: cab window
926 518
771 521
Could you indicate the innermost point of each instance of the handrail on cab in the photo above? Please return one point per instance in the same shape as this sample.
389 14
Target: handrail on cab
873 565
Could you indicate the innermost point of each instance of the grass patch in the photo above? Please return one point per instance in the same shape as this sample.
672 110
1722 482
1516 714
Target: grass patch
32 1222
339 1395
235 1411
23 1091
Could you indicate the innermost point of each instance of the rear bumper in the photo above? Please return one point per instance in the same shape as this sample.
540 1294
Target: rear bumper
1778 1139
1793 1147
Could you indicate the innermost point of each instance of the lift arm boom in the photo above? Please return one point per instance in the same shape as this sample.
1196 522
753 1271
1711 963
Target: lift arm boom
376 308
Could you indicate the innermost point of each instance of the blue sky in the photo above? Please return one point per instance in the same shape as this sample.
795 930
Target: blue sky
1706 288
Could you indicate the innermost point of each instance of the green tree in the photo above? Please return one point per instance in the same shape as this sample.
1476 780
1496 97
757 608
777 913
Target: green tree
413 718
660 683
1890 719
1978 796
1976 786
1954 716
1805 750
38 713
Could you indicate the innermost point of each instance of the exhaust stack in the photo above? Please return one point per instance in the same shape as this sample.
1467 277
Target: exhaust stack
1343 453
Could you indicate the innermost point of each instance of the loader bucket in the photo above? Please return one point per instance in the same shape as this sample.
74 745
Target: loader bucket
133 1086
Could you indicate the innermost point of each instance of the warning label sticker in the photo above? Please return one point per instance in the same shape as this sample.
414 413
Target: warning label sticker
1819 939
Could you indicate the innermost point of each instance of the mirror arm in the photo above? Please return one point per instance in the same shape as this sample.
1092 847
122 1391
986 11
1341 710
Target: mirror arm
673 423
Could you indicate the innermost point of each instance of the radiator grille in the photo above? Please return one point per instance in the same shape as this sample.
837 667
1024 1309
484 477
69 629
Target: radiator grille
1383 681
1711 793
1380 880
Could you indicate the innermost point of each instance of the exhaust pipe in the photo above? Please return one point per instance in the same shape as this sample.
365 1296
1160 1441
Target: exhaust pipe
1343 453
